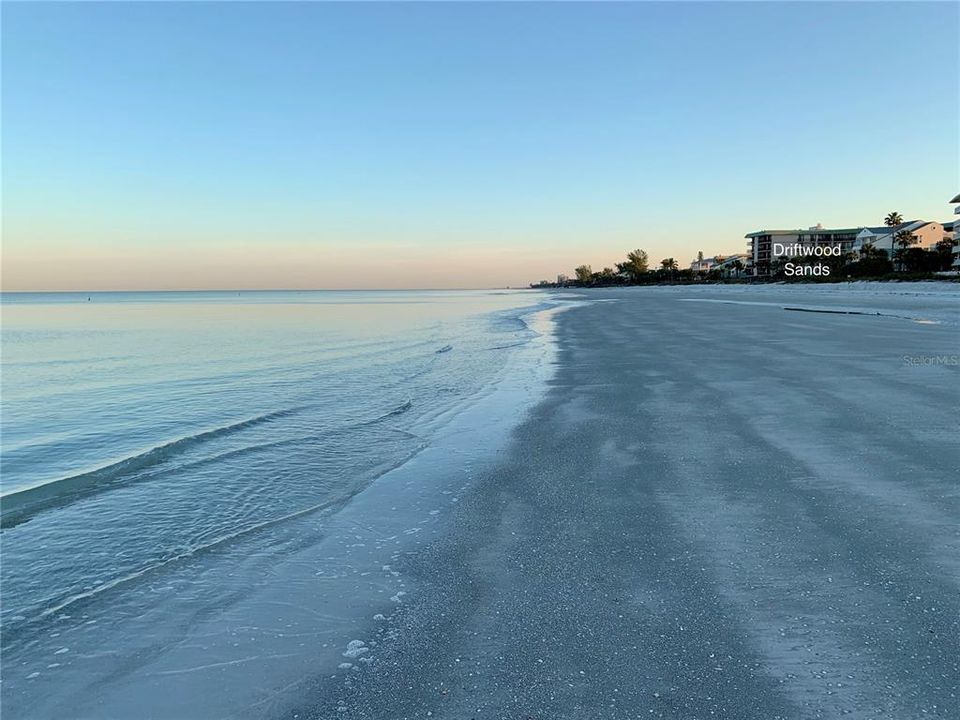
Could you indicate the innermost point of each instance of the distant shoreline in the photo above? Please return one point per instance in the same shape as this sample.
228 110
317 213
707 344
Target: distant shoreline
901 278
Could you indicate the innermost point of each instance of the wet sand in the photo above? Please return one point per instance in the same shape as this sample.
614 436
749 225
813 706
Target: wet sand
718 510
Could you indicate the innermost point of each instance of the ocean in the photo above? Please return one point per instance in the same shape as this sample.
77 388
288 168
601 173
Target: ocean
150 439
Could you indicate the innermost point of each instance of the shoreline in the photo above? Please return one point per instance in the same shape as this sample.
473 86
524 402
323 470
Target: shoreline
660 507
335 563
946 277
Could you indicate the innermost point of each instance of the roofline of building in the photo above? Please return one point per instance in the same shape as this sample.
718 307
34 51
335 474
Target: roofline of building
914 224
816 231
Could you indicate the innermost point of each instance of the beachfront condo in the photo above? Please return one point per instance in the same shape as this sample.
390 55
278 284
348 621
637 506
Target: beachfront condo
953 225
766 245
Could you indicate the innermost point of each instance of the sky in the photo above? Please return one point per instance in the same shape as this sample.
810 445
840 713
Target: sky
307 145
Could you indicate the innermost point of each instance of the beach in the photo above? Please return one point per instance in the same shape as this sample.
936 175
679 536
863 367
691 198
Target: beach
719 510
676 502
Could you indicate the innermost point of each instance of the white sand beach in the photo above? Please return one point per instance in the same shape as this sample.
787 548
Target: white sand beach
719 510
734 502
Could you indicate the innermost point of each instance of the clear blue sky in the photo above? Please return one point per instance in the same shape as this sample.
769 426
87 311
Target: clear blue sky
330 145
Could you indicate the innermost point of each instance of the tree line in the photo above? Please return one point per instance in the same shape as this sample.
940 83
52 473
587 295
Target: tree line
636 270
633 271
871 262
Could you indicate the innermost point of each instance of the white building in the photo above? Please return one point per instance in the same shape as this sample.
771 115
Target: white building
765 244
928 234
702 264
726 264
732 265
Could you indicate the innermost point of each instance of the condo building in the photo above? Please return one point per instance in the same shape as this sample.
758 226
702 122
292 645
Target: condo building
765 244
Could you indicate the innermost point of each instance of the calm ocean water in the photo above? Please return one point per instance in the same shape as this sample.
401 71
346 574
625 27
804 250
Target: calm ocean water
141 429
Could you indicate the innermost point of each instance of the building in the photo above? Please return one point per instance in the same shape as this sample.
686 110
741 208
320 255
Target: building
702 264
725 264
732 265
764 244
927 234
953 225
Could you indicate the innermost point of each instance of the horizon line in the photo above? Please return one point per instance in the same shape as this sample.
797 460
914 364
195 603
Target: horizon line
250 290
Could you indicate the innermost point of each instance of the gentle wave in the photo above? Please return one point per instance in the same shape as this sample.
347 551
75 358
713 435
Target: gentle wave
300 439
399 410
212 544
21 505
113 506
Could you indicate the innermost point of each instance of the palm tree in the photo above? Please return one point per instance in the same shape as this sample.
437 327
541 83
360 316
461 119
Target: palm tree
669 264
584 273
893 220
904 239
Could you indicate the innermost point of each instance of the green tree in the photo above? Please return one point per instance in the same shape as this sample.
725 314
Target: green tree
871 264
584 274
944 249
669 266
893 219
903 240
607 275
636 265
